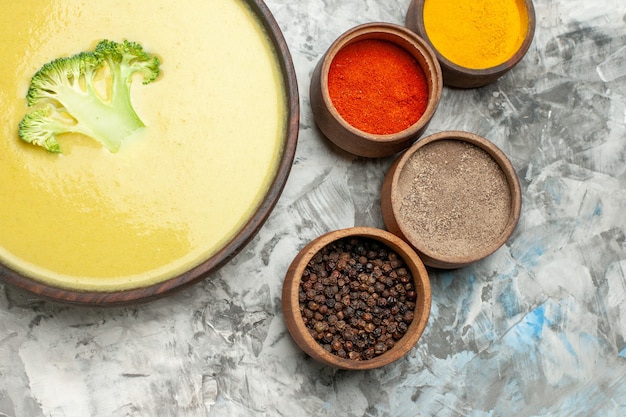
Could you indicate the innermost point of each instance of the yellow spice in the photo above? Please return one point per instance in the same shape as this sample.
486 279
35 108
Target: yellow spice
476 34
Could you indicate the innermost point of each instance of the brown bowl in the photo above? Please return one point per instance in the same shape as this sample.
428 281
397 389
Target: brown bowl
310 255
235 243
454 196
356 141
455 75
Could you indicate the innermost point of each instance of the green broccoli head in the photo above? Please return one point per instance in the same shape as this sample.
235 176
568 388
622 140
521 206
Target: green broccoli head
129 58
67 86
67 72
38 128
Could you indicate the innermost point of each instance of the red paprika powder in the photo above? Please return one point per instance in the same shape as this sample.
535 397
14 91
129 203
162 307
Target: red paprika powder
377 87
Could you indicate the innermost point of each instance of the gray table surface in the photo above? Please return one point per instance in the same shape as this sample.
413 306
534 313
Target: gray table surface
536 329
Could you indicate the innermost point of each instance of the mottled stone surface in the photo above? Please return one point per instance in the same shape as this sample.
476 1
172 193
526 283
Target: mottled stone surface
536 329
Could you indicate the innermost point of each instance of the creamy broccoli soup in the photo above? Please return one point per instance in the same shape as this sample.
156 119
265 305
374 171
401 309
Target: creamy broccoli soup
176 192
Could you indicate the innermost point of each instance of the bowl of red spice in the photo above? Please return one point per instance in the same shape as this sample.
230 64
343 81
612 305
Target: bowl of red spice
375 90
356 298
476 42
454 196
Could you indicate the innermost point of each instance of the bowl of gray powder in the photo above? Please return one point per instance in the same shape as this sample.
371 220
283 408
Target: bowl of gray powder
454 196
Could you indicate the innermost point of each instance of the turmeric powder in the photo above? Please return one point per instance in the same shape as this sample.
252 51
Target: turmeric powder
476 34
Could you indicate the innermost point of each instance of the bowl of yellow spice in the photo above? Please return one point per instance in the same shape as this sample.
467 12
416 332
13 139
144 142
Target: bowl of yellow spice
475 42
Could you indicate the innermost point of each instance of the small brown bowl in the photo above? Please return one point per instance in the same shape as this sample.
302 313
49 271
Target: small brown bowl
300 267
346 136
454 196
458 76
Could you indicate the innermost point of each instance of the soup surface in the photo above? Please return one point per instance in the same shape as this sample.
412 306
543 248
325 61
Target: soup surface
174 194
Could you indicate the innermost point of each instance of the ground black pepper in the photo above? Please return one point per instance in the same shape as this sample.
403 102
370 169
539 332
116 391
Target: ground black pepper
357 298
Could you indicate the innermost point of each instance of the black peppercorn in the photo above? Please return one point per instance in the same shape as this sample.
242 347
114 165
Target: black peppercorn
380 348
320 326
357 298
369 353
336 345
402 327
408 317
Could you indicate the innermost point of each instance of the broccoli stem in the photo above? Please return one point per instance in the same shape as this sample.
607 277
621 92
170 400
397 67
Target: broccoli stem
109 122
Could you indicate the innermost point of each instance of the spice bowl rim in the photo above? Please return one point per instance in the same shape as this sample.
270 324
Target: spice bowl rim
458 76
372 144
390 202
291 303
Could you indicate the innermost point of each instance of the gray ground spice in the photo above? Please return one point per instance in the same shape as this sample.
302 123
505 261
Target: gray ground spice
455 199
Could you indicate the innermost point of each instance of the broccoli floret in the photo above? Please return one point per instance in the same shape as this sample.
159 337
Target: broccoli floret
73 103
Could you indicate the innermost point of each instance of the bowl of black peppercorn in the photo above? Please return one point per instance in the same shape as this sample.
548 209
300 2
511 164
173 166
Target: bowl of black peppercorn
356 298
